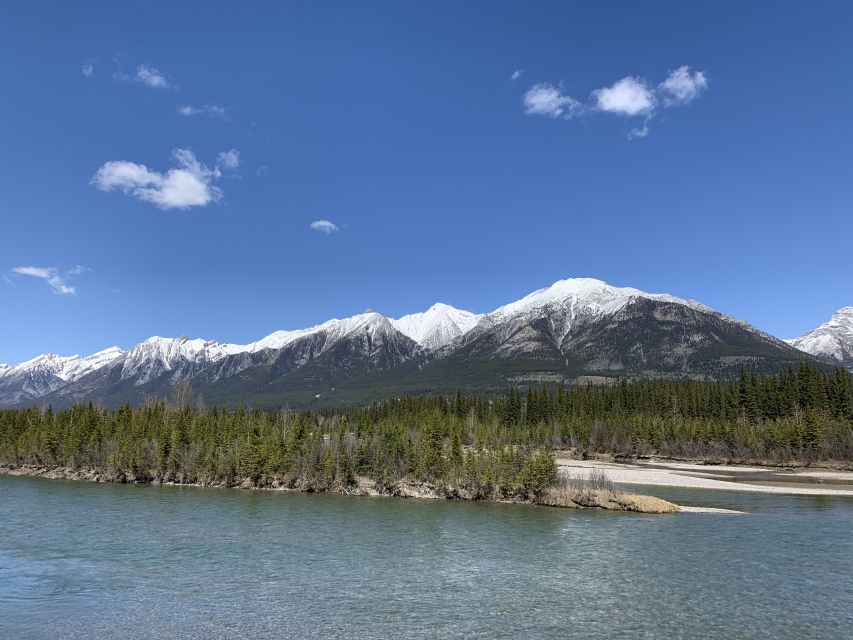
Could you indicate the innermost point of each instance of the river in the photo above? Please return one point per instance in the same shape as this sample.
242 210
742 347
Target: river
92 561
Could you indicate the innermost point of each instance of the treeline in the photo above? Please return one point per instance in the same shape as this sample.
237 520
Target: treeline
487 447
801 414
319 452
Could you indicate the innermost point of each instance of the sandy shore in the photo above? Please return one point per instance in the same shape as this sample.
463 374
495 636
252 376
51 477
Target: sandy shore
721 477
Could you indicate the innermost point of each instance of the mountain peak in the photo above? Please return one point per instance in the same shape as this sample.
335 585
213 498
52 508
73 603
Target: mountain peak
832 341
589 293
844 314
440 306
437 326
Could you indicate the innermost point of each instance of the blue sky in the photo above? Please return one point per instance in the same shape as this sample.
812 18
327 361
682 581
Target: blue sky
162 163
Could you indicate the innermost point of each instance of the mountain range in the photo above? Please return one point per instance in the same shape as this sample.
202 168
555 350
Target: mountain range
575 331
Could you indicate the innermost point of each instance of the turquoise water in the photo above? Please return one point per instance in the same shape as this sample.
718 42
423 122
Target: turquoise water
82 560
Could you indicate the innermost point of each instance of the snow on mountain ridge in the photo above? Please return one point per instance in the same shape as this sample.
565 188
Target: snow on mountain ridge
437 326
568 301
335 328
594 294
832 340
66 368
156 355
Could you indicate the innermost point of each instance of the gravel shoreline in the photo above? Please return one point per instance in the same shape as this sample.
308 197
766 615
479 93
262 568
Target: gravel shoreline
720 477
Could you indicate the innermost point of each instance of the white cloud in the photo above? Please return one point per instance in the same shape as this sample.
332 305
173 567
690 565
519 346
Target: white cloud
682 87
51 275
151 77
629 96
516 75
88 70
211 110
325 226
228 159
547 100
190 184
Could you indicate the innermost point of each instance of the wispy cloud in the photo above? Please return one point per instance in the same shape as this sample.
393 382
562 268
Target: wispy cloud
145 74
325 226
516 75
682 87
229 160
210 110
57 281
151 77
639 132
631 97
88 69
190 184
547 100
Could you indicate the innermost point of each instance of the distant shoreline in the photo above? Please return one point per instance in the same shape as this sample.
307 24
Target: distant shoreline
556 497
803 481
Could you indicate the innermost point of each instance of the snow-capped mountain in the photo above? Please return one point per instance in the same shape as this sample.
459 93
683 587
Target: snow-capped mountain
155 356
438 326
333 329
370 334
67 368
586 327
46 373
831 341
576 296
568 304
569 331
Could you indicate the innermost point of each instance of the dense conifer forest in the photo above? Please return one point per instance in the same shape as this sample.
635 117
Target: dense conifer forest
490 446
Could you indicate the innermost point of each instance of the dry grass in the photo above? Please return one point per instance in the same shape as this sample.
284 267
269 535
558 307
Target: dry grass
645 504
567 498
596 491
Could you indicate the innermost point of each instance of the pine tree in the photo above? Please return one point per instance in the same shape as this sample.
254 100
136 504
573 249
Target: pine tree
455 451
249 461
813 430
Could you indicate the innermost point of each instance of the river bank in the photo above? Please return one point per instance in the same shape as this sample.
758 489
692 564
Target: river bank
565 496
